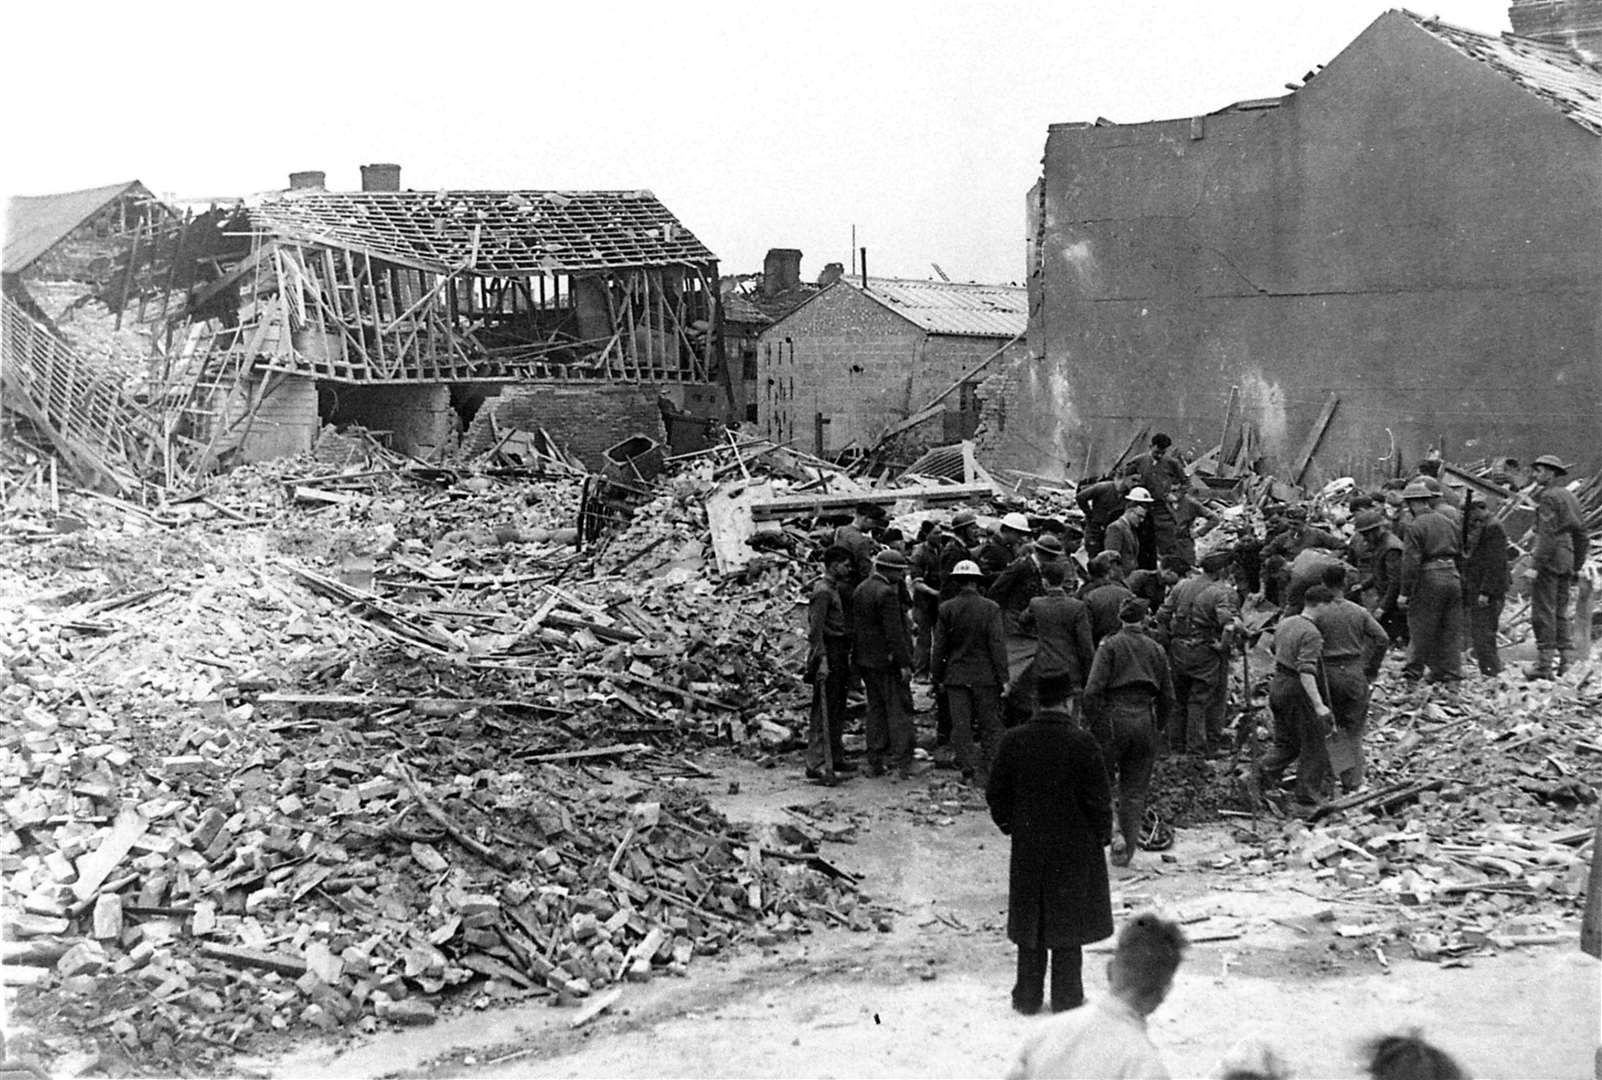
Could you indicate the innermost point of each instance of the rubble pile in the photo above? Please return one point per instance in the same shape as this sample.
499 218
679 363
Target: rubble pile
400 746
1472 830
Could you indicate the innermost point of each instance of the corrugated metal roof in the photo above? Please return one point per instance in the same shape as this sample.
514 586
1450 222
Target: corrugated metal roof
949 307
37 223
496 232
1551 72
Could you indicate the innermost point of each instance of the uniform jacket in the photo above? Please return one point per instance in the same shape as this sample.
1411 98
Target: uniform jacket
1384 569
1197 610
879 637
1158 476
1129 660
1560 537
969 649
1048 790
1061 624
1351 633
1432 541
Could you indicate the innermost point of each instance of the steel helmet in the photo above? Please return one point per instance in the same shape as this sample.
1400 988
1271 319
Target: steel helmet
1016 522
1139 495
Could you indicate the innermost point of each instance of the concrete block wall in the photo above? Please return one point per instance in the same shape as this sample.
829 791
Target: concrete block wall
419 418
285 422
584 419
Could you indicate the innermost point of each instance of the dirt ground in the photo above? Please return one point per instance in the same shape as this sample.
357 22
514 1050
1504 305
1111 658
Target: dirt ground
928 996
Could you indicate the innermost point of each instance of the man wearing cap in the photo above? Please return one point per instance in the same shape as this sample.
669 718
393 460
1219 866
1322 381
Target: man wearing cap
1162 476
1354 648
1432 590
969 660
1104 594
1200 617
1123 534
828 669
1561 545
1003 548
1061 626
1101 502
1382 571
1485 582
1302 716
882 649
1129 697
857 539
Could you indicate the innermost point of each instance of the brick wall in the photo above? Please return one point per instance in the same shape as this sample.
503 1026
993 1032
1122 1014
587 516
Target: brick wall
419 418
863 367
584 419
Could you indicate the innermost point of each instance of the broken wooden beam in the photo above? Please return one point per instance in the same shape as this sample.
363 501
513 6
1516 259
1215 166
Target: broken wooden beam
788 506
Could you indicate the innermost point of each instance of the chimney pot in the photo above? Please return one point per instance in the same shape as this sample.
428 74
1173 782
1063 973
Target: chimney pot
381 176
308 180
781 271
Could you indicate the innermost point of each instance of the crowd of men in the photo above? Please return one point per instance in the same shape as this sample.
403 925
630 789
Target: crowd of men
1139 638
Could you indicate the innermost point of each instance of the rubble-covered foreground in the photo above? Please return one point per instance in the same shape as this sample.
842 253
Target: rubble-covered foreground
272 763
331 749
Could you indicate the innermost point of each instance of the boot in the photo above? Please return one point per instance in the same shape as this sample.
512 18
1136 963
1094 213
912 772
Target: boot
1565 657
1543 665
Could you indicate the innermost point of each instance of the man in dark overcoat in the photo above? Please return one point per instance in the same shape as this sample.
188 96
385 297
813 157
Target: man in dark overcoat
1048 791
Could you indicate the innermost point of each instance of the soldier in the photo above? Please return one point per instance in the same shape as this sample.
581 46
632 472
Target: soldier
1129 697
1561 545
1296 701
1354 648
1200 618
1123 534
962 545
1485 583
857 539
1160 475
882 649
969 660
1432 590
828 670
1101 502
1382 572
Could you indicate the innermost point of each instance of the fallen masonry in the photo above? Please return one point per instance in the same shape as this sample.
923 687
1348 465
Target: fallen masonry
335 746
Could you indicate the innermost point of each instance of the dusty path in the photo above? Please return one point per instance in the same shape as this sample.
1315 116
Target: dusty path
929 997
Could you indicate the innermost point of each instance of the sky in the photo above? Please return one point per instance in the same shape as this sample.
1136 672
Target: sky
758 124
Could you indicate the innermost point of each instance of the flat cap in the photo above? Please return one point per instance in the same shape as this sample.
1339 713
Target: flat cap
1132 610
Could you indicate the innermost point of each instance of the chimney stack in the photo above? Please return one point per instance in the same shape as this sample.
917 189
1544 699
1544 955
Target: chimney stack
781 271
1573 24
309 180
832 272
381 176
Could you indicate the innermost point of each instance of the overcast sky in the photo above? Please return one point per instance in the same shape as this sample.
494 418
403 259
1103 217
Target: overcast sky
758 124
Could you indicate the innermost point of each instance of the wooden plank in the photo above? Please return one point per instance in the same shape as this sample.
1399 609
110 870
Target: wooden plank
1305 456
283 964
94 869
798 505
615 750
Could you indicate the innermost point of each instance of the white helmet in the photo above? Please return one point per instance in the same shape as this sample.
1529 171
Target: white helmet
1139 495
1016 522
967 568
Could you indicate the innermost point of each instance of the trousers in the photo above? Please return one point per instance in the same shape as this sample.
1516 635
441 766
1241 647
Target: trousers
1067 979
888 718
1127 732
1435 626
1549 611
1483 619
826 726
1298 737
1348 700
1201 684
975 728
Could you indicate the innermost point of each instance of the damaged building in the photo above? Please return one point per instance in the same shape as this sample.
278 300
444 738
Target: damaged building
866 355
437 319
1401 254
